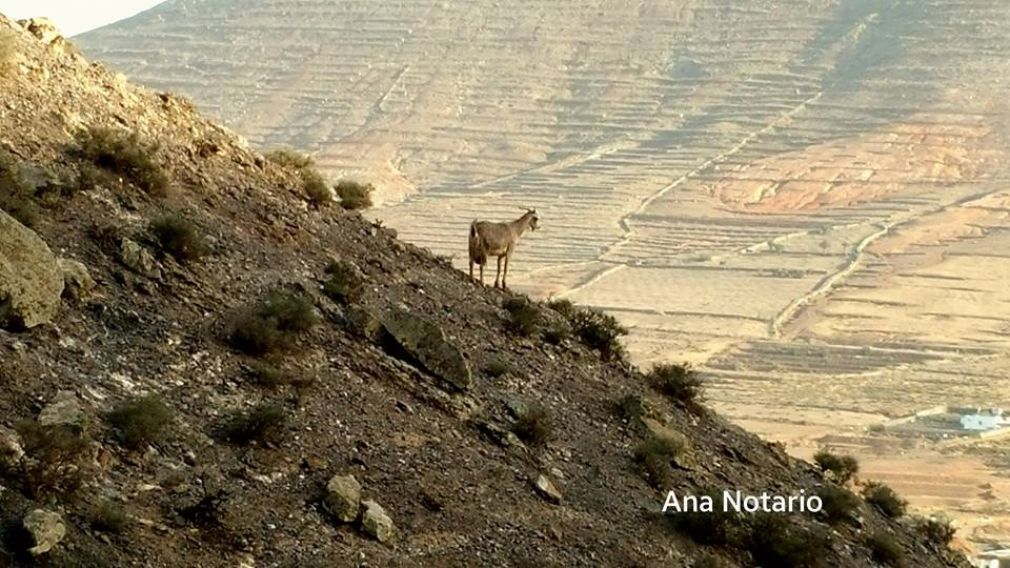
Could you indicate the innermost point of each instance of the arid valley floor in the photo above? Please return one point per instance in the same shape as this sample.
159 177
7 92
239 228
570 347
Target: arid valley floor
808 200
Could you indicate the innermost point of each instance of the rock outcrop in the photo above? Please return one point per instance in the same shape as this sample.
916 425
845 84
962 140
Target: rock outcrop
376 522
343 497
31 281
428 344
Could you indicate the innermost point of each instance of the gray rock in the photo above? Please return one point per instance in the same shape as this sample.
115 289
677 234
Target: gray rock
138 259
377 523
65 410
366 324
545 487
427 343
77 281
47 530
11 450
30 278
343 497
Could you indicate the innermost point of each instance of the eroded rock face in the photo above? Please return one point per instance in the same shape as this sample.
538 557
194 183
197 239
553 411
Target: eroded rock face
31 281
343 497
427 343
138 259
47 530
65 410
42 28
377 523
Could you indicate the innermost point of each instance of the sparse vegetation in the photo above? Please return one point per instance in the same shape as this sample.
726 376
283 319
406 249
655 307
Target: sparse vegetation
599 331
841 468
535 426
563 307
16 197
109 517
497 366
123 153
523 317
884 499
179 237
345 284
631 407
355 195
839 503
317 189
269 325
141 421
263 424
556 334
289 158
775 540
678 382
266 375
654 456
717 528
938 530
58 453
886 550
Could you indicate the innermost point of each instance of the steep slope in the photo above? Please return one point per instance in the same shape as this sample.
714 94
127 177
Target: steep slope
460 491
806 198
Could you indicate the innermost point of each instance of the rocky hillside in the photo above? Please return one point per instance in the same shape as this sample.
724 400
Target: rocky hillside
202 365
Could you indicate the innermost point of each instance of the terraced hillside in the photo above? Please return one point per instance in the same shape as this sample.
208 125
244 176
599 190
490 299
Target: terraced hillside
806 198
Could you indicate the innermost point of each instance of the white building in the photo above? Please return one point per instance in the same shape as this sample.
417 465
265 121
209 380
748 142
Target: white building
984 419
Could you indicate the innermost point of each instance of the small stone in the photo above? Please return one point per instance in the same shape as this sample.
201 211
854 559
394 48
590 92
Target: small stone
47 530
547 490
77 281
377 524
343 497
138 259
11 450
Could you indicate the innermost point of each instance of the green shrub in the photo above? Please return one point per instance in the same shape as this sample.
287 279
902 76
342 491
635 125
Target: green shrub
264 424
938 530
141 421
884 499
678 382
776 540
599 331
289 158
563 307
631 407
269 325
497 366
266 375
654 456
842 468
885 549
316 188
109 517
346 284
123 153
839 504
523 317
58 454
556 334
179 237
535 426
355 195
716 528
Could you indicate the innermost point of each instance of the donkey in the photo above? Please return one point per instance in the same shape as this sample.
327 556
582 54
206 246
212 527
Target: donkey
498 239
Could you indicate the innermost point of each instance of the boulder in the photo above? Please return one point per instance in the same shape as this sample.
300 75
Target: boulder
343 497
138 259
46 528
366 324
65 410
31 282
77 281
377 523
545 487
427 343
11 451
